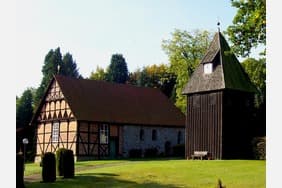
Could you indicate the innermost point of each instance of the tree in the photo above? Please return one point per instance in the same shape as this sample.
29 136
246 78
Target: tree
185 51
249 26
256 70
99 74
117 70
54 64
155 76
24 113
69 67
52 60
24 110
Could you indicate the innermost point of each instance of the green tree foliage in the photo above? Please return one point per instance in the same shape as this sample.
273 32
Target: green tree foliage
24 110
52 63
249 26
69 67
99 74
185 50
154 76
117 70
256 70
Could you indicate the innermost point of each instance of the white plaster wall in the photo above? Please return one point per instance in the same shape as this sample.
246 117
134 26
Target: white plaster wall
131 138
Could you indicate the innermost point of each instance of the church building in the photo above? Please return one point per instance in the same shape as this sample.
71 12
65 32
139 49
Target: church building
98 119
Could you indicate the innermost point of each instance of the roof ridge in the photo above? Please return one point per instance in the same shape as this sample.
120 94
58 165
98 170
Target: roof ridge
220 57
107 82
102 101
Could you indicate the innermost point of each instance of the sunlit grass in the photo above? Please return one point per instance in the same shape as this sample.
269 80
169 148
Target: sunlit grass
168 173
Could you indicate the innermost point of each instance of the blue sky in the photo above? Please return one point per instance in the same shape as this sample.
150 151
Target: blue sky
94 30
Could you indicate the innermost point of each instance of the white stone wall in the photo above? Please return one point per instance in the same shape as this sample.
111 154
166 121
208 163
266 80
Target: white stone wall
131 138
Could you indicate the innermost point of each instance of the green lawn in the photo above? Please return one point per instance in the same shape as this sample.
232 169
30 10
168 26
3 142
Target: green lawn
34 168
165 173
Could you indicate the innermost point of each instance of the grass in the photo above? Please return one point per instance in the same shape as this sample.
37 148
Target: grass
34 168
165 173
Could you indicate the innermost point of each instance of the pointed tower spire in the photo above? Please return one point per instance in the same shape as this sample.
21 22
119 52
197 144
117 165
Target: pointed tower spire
218 26
227 72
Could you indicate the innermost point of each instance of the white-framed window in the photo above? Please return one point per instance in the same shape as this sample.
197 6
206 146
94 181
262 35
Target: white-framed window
208 68
104 134
55 132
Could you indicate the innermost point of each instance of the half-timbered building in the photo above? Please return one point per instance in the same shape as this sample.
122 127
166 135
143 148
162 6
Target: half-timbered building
219 97
98 119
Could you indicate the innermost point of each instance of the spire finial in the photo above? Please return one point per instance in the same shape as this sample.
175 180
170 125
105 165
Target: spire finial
218 26
58 69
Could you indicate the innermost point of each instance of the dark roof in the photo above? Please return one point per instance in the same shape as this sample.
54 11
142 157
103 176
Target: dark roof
227 71
102 101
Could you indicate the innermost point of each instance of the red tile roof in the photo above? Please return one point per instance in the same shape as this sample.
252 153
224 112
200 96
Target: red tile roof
102 101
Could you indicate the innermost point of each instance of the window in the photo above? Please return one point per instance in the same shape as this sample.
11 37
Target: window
208 68
179 137
141 135
104 134
55 132
154 134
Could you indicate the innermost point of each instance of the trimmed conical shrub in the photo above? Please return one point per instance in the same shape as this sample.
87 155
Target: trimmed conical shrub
59 161
49 167
20 171
68 164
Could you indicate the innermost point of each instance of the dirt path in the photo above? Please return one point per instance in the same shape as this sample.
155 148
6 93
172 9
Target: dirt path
37 177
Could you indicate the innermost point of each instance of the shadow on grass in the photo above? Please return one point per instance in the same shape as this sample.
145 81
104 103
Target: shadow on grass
155 159
90 180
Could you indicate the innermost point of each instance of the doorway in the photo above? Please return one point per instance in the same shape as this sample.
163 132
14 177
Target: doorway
113 147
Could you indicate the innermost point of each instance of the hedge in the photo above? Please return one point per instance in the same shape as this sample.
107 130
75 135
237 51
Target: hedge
68 164
178 150
59 161
135 153
259 150
151 152
20 171
48 167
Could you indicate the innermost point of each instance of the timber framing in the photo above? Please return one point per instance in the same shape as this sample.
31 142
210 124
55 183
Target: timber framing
72 115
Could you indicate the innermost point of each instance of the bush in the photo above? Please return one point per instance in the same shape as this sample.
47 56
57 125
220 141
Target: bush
68 164
20 171
259 147
151 152
135 153
59 161
178 150
48 167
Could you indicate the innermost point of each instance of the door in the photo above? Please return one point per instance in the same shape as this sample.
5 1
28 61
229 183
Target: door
113 147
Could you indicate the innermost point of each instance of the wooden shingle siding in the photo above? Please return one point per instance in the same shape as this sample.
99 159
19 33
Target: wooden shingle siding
203 127
218 115
227 74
